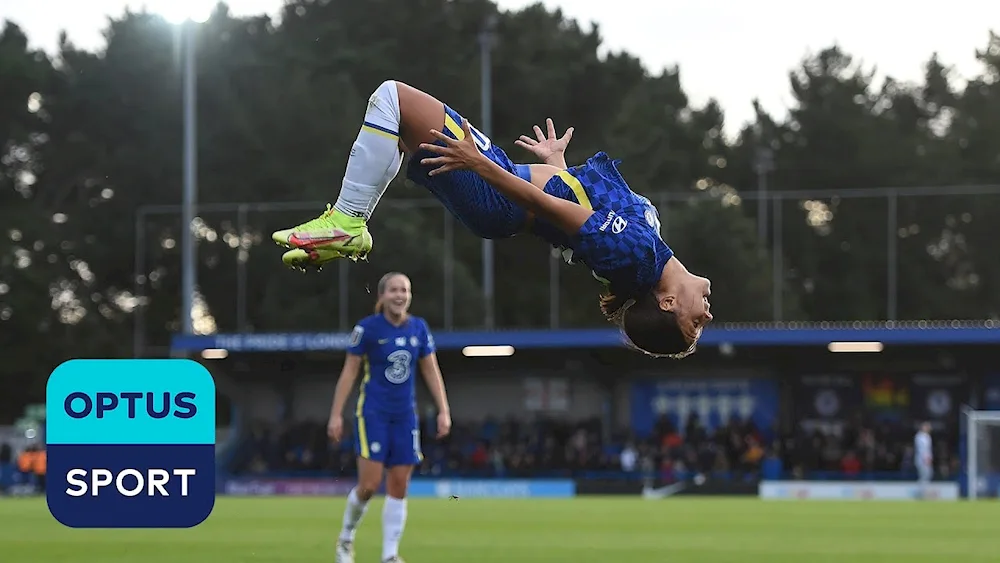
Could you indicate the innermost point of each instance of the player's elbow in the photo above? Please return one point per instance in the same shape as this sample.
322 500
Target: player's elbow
352 364
535 201
429 367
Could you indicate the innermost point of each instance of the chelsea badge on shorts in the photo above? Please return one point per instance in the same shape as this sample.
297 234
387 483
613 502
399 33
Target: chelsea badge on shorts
130 443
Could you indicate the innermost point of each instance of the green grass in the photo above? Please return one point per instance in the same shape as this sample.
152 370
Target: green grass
620 530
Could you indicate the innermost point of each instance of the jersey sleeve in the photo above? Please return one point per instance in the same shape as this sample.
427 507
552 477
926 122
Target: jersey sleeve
356 344
427 345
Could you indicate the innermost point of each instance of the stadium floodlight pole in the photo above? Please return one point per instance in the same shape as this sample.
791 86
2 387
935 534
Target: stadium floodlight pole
763 165
190 193
487 38
187 14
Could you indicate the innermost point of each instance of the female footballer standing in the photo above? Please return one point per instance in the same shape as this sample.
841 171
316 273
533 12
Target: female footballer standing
390 346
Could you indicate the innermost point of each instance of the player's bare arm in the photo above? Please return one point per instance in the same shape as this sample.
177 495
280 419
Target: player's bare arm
548 148
431 372
464 155
348 375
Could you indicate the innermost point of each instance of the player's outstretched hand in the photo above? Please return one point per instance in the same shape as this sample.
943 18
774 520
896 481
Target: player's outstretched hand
454 155
546 147
335 428
444 425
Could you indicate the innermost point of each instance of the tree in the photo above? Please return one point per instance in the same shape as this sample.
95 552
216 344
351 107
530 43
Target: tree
89 138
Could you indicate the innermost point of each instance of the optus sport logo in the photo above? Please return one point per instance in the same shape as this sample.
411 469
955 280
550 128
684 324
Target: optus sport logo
130 443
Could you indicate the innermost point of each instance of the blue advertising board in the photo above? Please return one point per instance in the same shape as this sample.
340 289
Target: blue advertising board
492 488
937 398
825 401
990 400
714 401
419 487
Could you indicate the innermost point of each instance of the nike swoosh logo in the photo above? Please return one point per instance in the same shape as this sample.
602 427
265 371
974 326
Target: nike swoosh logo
306 240
383 340
321 233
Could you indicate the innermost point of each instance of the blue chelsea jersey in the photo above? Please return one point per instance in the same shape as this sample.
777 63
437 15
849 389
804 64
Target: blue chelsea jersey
621 241
390 356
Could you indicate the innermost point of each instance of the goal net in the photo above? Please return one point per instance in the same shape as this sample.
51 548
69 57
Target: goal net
982 438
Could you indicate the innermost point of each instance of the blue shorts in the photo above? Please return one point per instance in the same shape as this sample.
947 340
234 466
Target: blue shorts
475 203
390 439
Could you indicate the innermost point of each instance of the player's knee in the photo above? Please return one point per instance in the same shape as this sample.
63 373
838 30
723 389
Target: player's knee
395 489
369 481
388 88
365 491
397 483
650 328
385 101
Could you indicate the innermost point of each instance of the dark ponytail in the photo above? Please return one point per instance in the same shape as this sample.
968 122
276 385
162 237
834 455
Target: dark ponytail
612 306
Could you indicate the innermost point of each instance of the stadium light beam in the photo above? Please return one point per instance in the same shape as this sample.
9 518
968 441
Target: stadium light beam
190 193
180 11
189 263
187 13
487 351
858 347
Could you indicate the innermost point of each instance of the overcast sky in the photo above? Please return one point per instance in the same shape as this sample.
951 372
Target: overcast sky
731 50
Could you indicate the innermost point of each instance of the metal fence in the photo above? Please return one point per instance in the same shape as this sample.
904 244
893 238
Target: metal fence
241 279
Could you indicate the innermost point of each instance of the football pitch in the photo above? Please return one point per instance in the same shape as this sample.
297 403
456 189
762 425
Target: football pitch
590 529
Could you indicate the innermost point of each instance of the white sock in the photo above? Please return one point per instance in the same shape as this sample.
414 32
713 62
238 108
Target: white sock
393 522
355 510
375 156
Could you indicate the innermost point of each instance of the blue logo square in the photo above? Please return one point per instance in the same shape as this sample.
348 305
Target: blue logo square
130 443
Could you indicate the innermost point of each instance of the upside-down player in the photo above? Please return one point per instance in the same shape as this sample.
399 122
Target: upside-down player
392 345
588 211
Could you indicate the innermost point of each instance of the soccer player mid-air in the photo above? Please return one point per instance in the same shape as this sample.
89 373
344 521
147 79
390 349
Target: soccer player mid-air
392 345
588 211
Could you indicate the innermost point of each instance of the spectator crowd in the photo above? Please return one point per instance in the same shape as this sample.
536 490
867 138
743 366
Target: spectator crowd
547 447
22 471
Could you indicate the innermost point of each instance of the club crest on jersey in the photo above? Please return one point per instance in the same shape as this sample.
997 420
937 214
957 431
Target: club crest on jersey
414 341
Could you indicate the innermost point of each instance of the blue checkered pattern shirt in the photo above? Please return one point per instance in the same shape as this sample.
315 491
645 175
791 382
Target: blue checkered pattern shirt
621 241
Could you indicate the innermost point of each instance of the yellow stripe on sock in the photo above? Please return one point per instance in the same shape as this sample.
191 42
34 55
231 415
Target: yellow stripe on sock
379 132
